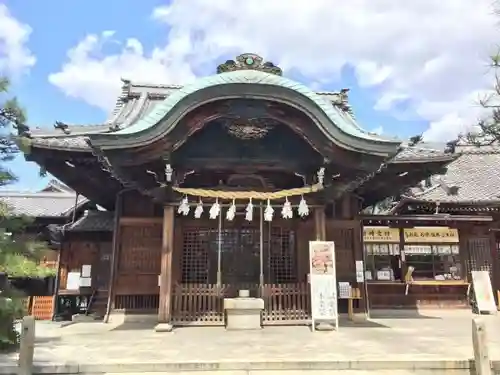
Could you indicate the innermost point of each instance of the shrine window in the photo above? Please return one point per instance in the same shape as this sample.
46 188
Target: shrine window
433 262
382 262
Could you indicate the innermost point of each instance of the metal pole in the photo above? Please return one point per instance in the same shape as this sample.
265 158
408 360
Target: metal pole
219 250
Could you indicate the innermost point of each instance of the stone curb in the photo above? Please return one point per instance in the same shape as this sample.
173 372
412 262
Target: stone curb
246 366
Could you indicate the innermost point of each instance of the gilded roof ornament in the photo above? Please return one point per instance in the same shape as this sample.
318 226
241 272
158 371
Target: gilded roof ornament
249 61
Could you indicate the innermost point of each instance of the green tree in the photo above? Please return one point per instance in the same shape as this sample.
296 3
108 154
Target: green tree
487 130
17 258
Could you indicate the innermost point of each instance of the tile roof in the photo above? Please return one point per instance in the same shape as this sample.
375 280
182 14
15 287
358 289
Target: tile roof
135 101
94 221
41 204
474 176
133 104
423 152
57 186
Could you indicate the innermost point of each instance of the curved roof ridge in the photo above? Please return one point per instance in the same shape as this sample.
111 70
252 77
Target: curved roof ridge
471 149
344 123
153 85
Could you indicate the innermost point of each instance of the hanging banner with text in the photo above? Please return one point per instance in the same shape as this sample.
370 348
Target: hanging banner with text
323 281
380 234
431 235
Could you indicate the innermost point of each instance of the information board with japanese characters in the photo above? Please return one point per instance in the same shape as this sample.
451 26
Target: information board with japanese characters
380 234
323 282
431 235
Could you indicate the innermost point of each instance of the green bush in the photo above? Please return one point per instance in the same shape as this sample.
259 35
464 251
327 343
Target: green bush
17 258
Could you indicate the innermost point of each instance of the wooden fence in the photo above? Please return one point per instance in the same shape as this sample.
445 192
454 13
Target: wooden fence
198 304
40 307
202 304
286 304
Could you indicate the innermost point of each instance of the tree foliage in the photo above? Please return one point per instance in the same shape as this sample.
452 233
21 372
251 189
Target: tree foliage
18 257
487 130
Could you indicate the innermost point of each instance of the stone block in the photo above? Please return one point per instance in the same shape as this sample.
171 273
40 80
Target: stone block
163 327
243 313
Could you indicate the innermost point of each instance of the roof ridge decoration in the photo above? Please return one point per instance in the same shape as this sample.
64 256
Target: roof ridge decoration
249 61
330 119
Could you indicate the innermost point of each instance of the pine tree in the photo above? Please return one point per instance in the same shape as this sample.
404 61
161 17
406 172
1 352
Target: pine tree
487 130
17 258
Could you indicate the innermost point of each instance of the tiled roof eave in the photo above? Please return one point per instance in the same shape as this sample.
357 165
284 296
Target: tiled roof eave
492 201
425 159
68 143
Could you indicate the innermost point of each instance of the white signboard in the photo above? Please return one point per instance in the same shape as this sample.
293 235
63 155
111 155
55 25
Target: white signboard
360 274
483 292
86 270
85 282
73 281
323 282
344 290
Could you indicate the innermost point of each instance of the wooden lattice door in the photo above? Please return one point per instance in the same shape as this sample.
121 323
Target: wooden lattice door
343 233
240 251
479 255
480 258
280 255
199 255
139 260
103 266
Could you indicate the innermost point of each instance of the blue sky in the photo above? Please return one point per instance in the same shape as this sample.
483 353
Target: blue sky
58 26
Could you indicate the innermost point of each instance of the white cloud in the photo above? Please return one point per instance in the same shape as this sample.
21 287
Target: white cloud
378 130
15 57
432 53
95 78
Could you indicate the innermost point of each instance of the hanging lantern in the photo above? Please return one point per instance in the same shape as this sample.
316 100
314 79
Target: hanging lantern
199 210
215 209
249 211
183 207
231 212
268 212
303 208
286 211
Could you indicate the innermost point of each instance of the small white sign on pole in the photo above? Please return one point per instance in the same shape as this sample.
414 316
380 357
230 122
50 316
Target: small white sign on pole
483 292
323 282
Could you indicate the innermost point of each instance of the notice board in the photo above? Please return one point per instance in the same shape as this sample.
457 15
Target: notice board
323 282
483 292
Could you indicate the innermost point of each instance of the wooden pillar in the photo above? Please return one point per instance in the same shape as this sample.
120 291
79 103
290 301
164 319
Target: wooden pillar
320 223
359 256
115 253
346 207
165 308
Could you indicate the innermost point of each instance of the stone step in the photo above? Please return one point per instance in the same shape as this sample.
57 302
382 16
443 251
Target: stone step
309 372
261 367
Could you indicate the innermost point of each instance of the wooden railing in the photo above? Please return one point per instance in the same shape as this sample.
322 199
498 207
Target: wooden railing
198 304
286 304
143 303
202 304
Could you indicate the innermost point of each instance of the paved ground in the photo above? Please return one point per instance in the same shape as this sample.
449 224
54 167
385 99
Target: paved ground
431 337
301 372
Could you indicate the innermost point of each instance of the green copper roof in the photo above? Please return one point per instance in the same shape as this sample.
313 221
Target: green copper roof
337 120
